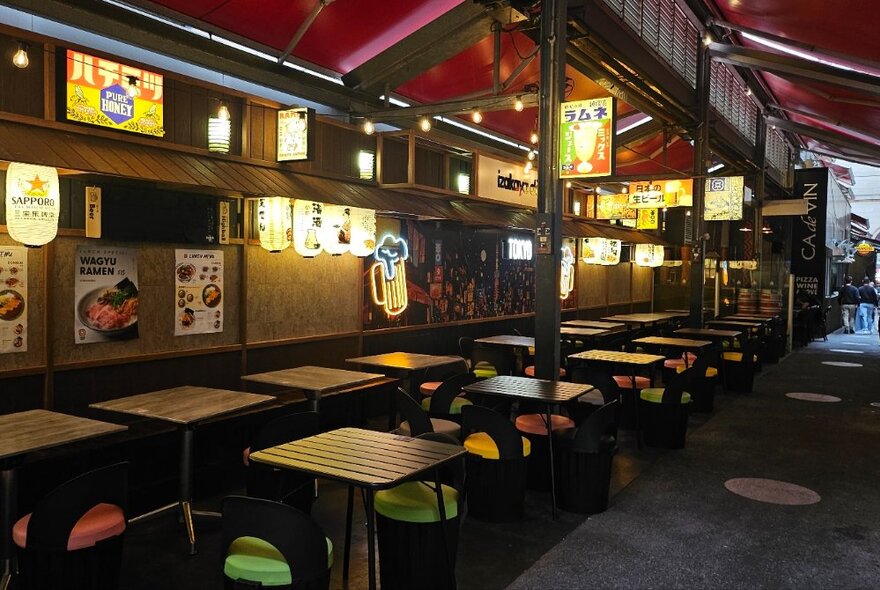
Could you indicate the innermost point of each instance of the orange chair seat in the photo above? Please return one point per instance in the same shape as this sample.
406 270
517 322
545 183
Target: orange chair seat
625 382
691 357
429 387
535 424
673 363
530 371
101 522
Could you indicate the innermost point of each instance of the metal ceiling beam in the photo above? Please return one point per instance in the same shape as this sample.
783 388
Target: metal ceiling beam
858 160
824 119
862 148
791 66
436 42
491 103
639 133
303 28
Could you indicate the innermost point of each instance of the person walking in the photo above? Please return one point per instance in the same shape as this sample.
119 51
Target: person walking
849 301
867 305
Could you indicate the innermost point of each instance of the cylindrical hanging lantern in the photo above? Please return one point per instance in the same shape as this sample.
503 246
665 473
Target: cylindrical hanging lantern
308 218
649 255
336 229
219 134
33 202
273 223
591 250
610 253
363 232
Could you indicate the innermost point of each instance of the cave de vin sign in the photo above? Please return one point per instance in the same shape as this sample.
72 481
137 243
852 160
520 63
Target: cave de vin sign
808 232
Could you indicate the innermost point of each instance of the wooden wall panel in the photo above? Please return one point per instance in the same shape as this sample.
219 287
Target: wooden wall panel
156 304
257 130
34 307
619 283
290 296
591 287
429 168
643 279
394 161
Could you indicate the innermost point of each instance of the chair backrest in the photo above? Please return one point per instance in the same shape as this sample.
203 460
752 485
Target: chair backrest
599 378
56 514
614 342
294 534
749 350
507 438
673 390
599 424
497 357
454 468
441 400
700 364
466 347
443 372
412 412
285 429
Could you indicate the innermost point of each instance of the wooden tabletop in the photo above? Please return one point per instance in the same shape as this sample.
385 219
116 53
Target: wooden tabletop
366 458
709 332
623 358
33 430
674 342
643 318
505 340
752 325
573 331
313 379
408 361
528 388
758 318
184 405
608 326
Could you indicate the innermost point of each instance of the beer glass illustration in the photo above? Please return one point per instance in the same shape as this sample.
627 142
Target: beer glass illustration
566 279
388 275
584 136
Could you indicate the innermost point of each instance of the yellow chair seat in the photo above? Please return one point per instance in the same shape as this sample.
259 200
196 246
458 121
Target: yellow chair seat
655 395
737 357
710 371
484 370
480 443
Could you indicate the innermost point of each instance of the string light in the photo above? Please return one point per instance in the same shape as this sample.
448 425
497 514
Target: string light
476 117
425 124
223 112
369 128
534 137
20 59
527 168
132 91
707 39
518 106
531 155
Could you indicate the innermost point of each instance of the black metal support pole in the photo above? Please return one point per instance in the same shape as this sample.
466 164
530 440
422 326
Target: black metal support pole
9 491
349 513
701 150
548 239
186 484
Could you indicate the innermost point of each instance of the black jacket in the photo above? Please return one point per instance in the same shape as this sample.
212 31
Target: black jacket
849 295
868 294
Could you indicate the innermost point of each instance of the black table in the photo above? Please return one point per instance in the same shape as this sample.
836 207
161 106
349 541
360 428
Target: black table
539 390
370 460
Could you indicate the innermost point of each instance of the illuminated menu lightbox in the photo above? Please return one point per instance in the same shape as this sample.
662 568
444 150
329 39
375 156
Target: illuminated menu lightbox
296 134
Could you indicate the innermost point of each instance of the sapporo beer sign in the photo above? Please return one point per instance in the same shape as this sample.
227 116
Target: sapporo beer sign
586 138
98 94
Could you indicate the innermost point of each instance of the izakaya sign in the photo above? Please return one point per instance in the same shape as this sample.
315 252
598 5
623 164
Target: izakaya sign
586 138
506 182
98 94
33 203
657 194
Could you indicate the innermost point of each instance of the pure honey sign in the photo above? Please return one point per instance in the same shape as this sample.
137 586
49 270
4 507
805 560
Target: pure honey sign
109 94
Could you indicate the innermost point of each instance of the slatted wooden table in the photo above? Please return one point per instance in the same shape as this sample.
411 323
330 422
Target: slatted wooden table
27 432
369 460
184 406
314 381
538 390
685 344
511 340
643 319
607 326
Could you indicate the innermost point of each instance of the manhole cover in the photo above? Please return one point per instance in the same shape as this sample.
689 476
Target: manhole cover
841 364
813 397
772 491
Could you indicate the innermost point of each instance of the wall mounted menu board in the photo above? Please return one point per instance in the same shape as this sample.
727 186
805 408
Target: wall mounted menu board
13 299
198 280
106 295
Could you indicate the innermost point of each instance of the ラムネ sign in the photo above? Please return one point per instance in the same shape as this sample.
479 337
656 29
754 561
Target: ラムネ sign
586 138
98 93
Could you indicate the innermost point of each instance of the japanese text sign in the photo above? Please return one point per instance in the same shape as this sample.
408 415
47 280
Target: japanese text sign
586 138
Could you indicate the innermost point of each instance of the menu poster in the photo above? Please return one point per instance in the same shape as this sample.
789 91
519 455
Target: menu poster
586 138
13 298
106 295
198 285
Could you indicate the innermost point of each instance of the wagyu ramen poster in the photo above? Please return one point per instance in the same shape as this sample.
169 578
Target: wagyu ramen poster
106 301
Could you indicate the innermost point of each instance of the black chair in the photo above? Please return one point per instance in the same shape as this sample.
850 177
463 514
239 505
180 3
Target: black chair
436 375
664 412
739 367
415 420
466 347
704 379
491 361
73 538
583 462
293 552
496 464
446 402
605 391
281 485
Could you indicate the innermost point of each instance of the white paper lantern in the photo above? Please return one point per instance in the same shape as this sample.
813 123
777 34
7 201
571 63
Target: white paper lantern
363 232
649 255
336 229
591 250
610 253
33 202
273 223
308 218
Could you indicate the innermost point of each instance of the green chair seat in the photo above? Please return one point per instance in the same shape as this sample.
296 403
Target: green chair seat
484 370
257 560
655 395
454 407
415 502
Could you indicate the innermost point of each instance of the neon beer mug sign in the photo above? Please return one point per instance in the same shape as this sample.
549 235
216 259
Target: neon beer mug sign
388 275
566 279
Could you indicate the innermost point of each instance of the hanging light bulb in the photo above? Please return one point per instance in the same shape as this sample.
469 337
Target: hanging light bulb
748 91
568 184
369 128
527 168
476 116
132 91
223 112
518 106
20 59
534 137
531 155
707 39
425 124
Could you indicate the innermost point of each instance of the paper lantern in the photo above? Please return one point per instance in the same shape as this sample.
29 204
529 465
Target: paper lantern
649 255
388 275
591 250
308 217
33 203
219 134
610 253
335 233
363 232
273 223
566 277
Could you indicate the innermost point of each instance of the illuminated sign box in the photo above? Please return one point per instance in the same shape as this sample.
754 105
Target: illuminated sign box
499 180
614 207
724 198
388 275
519 249
296 135
117 96
586 136
659 194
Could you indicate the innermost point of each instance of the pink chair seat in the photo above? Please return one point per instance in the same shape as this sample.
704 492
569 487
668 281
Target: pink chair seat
530 371
535 424
691 357
673 363
625 382
100 523
429 387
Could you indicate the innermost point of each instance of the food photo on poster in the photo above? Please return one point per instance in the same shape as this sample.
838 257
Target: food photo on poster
106 301
198 286
13 299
